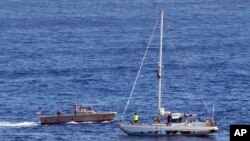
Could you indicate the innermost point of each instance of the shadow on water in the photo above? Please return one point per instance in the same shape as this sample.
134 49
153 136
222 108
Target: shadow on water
168 138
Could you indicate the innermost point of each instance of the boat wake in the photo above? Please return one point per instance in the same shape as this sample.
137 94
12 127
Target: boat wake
17 124
89 122
72 122
106 121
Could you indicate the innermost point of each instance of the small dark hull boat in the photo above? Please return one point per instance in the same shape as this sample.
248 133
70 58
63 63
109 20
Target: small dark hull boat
78 116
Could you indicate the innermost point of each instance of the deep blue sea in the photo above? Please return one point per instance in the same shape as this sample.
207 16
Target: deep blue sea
53 53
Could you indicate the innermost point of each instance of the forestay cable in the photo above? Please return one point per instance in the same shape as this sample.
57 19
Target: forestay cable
139 71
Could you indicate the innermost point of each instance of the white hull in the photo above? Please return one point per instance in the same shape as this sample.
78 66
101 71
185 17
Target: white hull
197 128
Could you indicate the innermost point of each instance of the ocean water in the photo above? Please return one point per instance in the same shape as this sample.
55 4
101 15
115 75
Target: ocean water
53 53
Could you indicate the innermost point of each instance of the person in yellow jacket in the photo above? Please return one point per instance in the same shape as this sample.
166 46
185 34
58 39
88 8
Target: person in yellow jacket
136 118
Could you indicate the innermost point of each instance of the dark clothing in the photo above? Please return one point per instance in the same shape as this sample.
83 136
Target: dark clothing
75 108
58 113
157 120
158 75
180 119
169 119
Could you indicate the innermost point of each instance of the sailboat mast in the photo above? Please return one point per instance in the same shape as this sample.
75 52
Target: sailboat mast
160 66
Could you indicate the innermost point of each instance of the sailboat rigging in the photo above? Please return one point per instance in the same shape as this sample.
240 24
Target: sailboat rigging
173 127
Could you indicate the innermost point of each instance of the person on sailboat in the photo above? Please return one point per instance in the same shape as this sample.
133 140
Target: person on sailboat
169 119
136 118
180 119
158 75
157 119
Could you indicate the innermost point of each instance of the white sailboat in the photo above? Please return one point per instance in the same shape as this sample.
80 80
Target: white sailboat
173 127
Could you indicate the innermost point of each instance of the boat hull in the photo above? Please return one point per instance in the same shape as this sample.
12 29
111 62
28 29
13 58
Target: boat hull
164 130
91 117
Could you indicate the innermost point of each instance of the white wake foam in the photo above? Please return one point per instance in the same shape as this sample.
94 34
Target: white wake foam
72 122
88 122
106 121
17 124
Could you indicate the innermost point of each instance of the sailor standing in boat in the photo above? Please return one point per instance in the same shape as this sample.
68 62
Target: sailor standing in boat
136 118
75 109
